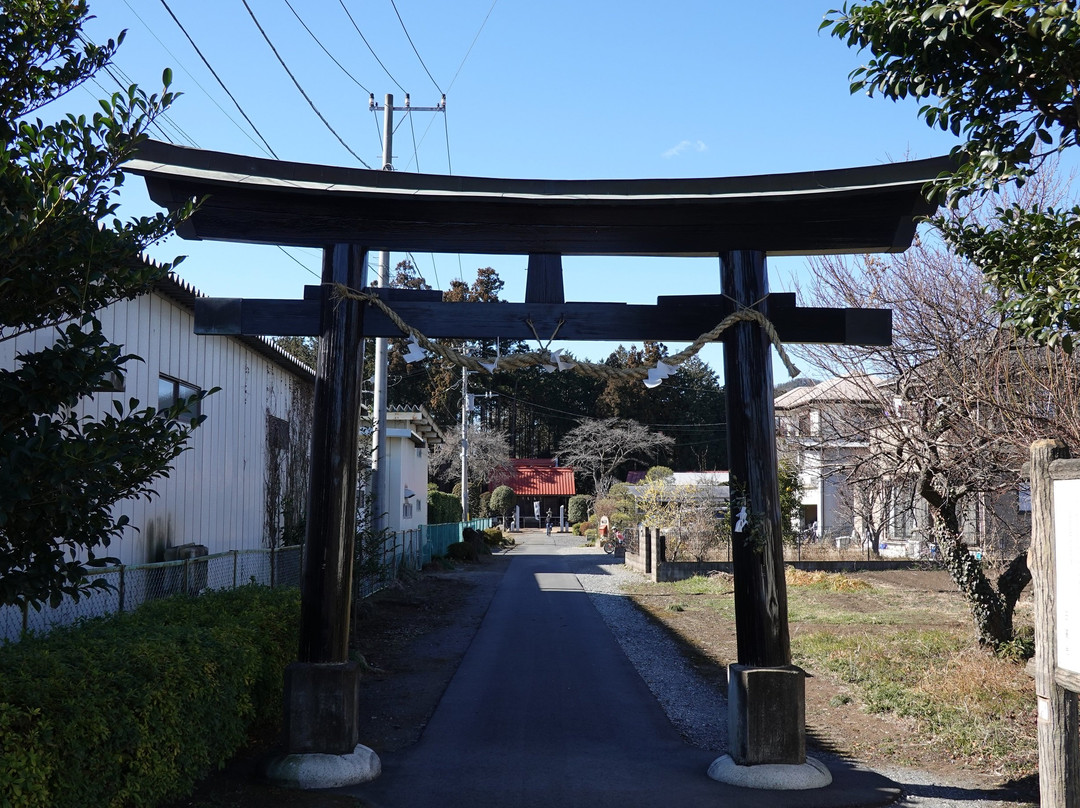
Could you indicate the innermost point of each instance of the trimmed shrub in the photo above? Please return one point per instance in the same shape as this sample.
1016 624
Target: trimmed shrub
503 500
591 535
134 709
578 508
443 508
462 551
496 538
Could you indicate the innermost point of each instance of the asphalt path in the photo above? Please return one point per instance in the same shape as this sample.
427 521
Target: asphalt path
545 709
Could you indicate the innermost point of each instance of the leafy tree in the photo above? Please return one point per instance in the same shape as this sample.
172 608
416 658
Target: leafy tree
306 349
503 500
64 255
442 507
660 473
1003 74
790 498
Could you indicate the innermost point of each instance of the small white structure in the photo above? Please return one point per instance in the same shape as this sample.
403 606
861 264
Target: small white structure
411 433
243 483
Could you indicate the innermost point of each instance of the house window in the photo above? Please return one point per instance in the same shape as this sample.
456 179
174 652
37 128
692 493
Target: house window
406 511
171 391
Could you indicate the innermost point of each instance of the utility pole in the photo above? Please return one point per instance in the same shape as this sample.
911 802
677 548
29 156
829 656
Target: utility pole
464 444
379 478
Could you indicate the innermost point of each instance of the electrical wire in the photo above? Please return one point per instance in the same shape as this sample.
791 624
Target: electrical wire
189 74
413 44
473 43
301 263
213 72
377 59
416 152
446 131
321 45
307 98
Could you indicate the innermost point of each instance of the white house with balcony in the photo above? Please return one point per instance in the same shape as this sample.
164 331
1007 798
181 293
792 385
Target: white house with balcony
824 429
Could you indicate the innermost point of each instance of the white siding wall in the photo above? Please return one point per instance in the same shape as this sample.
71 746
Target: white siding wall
217 492
407 470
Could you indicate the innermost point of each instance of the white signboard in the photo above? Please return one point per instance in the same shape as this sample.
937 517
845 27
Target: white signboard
1067 573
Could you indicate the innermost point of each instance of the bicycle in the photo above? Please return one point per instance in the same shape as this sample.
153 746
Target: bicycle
611 544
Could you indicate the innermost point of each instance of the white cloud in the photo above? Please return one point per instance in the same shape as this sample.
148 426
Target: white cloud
685 146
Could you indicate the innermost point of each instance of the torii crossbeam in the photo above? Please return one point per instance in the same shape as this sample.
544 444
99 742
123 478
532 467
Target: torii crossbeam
740 220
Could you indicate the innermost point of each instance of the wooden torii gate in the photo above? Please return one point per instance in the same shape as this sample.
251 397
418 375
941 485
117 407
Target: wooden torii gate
739 220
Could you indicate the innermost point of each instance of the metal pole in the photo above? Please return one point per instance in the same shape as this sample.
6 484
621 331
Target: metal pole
464 444
379 475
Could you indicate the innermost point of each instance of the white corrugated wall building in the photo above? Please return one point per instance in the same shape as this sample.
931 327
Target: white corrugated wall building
242 484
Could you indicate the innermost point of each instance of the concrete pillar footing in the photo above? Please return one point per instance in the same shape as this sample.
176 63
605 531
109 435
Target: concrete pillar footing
316 770
777 776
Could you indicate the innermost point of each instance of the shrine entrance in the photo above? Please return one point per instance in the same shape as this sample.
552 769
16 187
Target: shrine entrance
739 220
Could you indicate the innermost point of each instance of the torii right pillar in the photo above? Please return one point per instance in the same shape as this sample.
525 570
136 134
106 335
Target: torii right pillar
766 693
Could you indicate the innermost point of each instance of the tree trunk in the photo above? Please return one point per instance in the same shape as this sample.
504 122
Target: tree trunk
991 609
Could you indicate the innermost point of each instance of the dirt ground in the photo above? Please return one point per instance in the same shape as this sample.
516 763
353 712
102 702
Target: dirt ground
413 635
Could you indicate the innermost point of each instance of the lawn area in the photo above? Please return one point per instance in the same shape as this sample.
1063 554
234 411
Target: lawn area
894 671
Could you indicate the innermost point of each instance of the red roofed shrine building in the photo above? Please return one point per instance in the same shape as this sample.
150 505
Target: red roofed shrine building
540 481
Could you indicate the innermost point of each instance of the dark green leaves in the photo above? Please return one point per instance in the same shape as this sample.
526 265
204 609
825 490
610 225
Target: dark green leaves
63 256
1003 75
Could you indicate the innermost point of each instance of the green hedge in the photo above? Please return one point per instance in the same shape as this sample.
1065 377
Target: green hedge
443 508
135 709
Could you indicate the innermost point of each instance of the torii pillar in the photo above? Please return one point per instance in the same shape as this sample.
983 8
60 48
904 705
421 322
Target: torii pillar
322 689
766 693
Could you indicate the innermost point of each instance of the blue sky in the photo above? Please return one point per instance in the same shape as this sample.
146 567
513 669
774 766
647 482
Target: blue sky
558 89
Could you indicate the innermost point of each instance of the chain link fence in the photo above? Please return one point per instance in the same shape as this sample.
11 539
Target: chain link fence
133 584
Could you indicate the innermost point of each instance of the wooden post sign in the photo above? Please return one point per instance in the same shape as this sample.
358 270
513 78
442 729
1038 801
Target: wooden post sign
1054 559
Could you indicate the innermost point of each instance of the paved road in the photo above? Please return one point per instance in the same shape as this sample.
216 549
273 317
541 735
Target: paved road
546 710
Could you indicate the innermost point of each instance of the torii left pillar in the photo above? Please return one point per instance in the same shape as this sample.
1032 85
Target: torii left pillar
322 688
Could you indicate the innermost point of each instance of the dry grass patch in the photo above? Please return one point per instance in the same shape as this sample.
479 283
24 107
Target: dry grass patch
829 581
897 673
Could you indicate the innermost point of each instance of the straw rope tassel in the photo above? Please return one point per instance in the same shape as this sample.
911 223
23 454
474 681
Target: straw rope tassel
543 357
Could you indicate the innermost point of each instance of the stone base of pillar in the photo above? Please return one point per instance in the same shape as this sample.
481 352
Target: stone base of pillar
321 708
767 715
776 776
310 771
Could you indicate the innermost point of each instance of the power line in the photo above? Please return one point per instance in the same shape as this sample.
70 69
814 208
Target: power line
311 103
213 100
219 81
418 56
328 53
446 131
471 44
301 263
377 59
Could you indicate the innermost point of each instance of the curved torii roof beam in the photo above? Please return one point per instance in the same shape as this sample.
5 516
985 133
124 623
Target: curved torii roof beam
255 200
